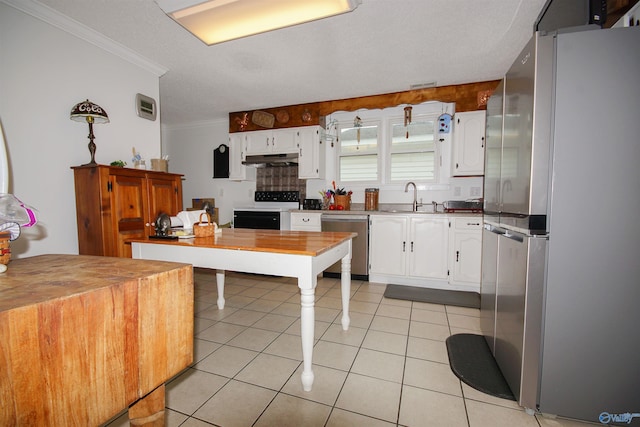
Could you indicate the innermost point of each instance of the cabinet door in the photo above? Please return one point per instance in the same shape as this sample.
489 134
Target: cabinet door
164 197
468 143
237 171
466 257
388 245
284 141
129 207
428 245
309 153
466 250
259 142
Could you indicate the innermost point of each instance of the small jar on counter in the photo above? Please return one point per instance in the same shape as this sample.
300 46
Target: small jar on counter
371 199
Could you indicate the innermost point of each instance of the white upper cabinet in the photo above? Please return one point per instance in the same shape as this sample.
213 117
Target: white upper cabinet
237 153
276 141
468 143
311 153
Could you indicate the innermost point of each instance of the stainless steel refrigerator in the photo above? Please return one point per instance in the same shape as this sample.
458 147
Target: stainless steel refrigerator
560 288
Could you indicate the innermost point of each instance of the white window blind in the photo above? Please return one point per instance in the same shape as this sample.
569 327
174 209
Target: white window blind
413 150
358 159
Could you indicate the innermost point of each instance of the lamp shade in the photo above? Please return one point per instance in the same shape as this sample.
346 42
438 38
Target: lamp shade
87 111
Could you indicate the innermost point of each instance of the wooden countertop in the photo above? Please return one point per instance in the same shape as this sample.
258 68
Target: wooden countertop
310 243
84 337
43 278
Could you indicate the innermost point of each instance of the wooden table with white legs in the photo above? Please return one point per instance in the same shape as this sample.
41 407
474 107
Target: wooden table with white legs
299 254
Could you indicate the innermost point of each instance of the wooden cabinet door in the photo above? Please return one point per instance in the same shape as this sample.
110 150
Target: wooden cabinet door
128 211
164 197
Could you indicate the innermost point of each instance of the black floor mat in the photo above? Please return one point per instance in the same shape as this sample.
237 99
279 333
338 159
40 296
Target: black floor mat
436 296
471 360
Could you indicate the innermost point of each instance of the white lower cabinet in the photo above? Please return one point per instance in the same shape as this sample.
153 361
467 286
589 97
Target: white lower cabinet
306 221
408 248
466 251
426 250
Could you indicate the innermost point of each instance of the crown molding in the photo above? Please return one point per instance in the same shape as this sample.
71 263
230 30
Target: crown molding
71 26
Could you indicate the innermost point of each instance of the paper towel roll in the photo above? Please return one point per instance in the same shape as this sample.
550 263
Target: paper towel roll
189 218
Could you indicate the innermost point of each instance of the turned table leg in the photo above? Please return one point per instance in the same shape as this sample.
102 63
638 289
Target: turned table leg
345 285
307 326
220 285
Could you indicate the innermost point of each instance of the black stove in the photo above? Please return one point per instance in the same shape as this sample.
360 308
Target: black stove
277 196
270 210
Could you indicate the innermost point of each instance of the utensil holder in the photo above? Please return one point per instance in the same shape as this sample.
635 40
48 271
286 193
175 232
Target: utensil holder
343 200
160 165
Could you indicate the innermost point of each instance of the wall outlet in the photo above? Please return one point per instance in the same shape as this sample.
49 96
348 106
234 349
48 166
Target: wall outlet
221 192
475 192
456 191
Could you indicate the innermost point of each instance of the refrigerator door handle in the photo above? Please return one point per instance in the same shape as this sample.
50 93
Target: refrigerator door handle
514 236
495 230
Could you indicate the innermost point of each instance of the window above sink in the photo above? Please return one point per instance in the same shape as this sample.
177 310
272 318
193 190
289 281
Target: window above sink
381 148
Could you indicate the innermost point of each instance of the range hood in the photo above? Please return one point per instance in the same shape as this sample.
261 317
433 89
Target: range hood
272 159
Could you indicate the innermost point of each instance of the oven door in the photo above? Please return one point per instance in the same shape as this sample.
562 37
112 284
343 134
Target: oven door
259 220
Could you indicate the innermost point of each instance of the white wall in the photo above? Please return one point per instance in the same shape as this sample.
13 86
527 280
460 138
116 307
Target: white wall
46 71
190 150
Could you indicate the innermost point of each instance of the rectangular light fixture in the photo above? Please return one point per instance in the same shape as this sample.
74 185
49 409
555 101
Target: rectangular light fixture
216 21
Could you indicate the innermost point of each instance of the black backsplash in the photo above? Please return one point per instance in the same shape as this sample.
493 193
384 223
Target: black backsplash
280 178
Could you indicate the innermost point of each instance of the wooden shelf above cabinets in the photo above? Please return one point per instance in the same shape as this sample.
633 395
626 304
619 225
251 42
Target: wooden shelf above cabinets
275 118
468 97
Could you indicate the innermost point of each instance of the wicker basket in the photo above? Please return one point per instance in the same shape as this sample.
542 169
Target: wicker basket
343 200
204 229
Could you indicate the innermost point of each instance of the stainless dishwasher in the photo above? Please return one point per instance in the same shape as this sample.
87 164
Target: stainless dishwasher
360 244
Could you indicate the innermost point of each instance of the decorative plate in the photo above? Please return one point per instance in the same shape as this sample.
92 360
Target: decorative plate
282 116
262 118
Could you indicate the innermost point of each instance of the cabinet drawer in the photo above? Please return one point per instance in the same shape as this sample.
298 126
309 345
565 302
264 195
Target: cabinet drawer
306 221
467 223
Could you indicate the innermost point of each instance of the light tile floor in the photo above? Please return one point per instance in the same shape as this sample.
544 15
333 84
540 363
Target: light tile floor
390 369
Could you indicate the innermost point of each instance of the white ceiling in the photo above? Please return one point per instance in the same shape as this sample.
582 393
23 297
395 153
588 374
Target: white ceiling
383 46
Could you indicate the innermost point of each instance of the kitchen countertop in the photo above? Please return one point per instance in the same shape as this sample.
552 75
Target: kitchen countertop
390 211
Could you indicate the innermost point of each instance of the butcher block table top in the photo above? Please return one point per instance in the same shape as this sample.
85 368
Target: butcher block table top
84 337
274 241
299 254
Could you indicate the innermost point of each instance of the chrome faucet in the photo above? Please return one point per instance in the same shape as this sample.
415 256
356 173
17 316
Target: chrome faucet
415 194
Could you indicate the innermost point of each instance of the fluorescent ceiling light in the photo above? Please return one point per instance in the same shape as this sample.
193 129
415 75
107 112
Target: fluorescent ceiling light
216 21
